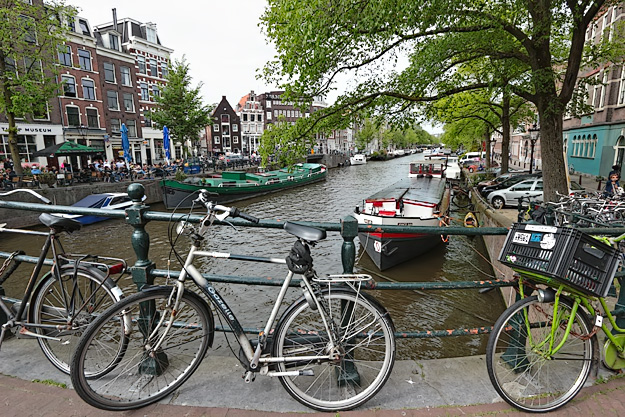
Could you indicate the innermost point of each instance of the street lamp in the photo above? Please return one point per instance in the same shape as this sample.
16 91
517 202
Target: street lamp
534 136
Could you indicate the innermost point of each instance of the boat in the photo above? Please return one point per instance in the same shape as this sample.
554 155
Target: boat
232 186
420 200
106 201
358 159
450 164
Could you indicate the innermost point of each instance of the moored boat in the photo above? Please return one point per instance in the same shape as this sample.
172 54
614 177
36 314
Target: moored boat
106 201
358 159
238 185
419 201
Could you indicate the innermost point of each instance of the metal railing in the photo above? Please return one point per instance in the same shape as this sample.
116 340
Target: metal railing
144 271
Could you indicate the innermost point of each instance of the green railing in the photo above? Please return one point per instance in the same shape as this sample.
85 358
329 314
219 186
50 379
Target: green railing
144 271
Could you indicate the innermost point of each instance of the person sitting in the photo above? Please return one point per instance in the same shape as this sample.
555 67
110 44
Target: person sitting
612 187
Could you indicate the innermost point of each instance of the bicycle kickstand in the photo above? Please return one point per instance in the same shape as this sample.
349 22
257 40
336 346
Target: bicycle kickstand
249 376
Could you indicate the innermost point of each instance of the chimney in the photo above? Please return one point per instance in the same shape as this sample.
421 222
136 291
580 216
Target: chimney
115 19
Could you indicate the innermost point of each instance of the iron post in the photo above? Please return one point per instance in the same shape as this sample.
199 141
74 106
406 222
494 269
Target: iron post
349 231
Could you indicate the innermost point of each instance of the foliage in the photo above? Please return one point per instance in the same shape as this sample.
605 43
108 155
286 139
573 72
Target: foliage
47 178
401 55
180 175
29 39
366 134
180 106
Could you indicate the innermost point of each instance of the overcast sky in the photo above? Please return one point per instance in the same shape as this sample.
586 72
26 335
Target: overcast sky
221 39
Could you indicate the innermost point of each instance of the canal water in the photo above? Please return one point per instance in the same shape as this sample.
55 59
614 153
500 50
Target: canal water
461 259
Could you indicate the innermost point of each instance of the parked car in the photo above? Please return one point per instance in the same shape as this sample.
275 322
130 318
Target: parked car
507 183
532 187
498 179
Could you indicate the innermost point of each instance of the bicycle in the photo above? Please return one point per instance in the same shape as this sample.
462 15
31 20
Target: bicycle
332 349
58 307
543 347
525 213
461 198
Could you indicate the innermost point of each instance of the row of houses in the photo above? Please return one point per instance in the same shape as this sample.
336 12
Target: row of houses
109 75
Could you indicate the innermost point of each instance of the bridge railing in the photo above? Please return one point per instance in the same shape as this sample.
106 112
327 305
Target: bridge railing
144 271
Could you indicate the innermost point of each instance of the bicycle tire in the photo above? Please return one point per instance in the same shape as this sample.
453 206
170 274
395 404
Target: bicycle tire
143 376
520 368
461 199
54 305
300 331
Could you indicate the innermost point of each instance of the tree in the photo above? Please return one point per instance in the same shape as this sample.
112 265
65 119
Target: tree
543 40
29 39
180 106
367 134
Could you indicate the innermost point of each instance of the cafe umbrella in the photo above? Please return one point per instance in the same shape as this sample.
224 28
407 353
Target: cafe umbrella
166 144
67 149
126 145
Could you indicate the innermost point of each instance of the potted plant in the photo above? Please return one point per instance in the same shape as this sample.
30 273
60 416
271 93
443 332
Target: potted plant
46 179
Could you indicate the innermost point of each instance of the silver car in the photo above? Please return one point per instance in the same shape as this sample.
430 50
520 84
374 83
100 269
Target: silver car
508 196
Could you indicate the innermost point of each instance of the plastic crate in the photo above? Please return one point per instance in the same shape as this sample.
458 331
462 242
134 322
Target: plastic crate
564 254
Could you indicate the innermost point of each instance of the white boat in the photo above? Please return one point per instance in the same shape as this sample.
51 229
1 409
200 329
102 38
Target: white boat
358 159
420 200
107 201
444 167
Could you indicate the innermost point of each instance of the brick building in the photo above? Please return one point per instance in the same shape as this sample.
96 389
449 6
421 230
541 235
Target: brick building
250 111
225 133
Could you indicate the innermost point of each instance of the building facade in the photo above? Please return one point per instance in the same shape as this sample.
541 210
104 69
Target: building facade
224 136
251 113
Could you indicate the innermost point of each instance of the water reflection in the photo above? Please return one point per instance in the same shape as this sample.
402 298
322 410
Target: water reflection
330 201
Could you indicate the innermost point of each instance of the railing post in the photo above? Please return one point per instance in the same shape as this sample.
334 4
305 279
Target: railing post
140 238
349 231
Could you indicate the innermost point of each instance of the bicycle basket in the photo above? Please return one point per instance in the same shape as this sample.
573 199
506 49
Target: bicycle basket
564 254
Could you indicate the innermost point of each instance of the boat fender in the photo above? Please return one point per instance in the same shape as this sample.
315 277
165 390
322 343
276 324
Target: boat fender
299 260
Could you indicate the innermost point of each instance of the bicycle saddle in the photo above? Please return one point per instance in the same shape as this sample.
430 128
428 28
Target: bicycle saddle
309 234
59 223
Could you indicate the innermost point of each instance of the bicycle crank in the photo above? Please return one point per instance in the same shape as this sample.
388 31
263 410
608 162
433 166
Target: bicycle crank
612 358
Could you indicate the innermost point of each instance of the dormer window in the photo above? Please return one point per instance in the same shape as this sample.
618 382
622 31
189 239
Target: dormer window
114 41
150 34
84 27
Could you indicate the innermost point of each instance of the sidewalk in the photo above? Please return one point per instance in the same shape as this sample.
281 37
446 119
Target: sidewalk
441 387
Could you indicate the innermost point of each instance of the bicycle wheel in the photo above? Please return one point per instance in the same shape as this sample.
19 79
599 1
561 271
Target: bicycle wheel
461 199
365 351
70 304
144 375
520 364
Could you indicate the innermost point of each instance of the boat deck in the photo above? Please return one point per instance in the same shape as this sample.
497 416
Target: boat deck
428 190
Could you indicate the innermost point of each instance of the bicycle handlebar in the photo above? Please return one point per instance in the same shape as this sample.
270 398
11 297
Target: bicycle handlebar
203 199
39 196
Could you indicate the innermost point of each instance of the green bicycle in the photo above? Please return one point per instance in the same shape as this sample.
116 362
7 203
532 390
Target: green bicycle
543 347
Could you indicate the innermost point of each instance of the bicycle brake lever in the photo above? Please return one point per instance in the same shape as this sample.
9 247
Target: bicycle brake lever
230 224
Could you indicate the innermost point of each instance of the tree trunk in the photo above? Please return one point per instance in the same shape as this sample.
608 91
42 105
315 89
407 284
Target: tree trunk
551 147
487 146
505 133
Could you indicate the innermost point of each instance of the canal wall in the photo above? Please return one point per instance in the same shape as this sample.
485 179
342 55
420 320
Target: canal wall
66 196
488 217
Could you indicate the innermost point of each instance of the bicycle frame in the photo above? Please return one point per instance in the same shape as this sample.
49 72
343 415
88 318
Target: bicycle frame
253 355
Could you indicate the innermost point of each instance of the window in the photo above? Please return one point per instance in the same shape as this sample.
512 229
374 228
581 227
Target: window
41 114
109 72
268 104
84 27
164 71
111 99
65 55
32 66
155 91
141 63
129 102
260 117
147 119
115 126
217 140
88 89
145 95
73 117
621 92
69 86
92 118
150 34
30 34
153 67
235 139
252 117
225 130
245 117
225 118
235 128
603 89
215 128
132 128
125 71
84 59
113 41
268 115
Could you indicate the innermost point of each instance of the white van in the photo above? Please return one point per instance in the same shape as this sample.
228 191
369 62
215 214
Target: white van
471 156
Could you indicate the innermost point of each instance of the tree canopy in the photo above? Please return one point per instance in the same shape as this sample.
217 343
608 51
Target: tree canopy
30 36
180 105
400 55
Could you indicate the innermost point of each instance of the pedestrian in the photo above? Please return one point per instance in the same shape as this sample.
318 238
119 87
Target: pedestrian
612 187
616 169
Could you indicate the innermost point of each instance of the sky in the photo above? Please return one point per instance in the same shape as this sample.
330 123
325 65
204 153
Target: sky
204 31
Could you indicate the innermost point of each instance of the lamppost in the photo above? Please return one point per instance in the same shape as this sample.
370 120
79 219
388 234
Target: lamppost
534 136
